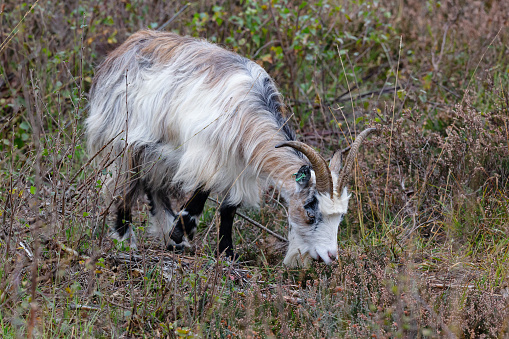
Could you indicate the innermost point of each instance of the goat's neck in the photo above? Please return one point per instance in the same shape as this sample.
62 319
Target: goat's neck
279 166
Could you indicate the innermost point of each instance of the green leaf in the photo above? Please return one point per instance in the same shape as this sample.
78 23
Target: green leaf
256 39
401 94
33 189
24 126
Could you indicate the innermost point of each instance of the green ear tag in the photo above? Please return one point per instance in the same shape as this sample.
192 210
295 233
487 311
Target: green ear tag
302 176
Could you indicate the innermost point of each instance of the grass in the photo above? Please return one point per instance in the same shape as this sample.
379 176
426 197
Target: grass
424 247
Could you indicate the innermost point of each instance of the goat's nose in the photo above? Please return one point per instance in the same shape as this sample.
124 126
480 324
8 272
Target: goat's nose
333 255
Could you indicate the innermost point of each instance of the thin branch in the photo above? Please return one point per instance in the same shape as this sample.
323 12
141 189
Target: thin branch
340 99
93 157
367 94
245 217
173 17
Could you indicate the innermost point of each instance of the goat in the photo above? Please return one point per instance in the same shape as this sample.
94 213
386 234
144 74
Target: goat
195 117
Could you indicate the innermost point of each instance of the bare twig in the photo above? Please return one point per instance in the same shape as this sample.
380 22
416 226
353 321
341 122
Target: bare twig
173 17
367 94
341 99
15 30
245 217
93 157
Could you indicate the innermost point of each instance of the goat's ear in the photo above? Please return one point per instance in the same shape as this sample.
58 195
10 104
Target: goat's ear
303 176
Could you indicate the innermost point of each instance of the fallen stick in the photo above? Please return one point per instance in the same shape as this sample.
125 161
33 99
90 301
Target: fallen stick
84 307
70 251
451 286
27 250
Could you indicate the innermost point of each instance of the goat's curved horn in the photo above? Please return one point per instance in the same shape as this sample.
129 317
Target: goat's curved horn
323 175
345 173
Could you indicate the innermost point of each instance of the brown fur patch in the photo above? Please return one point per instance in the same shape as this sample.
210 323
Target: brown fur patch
296 209
163 46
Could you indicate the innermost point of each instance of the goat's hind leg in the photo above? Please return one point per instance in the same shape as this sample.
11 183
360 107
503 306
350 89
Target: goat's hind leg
187 219
123 221
162 218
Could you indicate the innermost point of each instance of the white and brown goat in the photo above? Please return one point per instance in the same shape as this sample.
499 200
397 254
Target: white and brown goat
194 117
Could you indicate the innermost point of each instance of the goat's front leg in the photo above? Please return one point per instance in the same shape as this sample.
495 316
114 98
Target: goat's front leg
225 230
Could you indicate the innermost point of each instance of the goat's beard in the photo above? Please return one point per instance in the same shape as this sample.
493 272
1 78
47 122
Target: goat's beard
294 258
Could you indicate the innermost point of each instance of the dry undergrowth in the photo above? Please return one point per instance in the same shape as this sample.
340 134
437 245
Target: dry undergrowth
424 248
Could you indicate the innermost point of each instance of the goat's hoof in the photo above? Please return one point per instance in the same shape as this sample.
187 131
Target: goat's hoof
178 247
228 254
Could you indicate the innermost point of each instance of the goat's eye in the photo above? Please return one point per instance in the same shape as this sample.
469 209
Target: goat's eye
311 217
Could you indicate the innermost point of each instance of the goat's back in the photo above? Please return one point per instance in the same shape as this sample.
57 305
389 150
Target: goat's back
190 112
